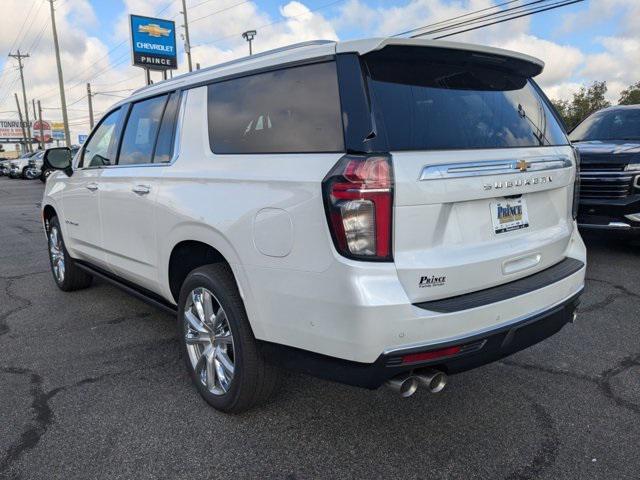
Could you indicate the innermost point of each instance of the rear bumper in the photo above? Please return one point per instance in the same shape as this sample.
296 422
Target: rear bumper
476 350
610 214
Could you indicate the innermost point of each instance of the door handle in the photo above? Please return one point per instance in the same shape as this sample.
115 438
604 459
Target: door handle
141 189
92 186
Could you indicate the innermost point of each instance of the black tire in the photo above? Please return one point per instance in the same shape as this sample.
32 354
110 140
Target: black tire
254 381
73 278
44 175
24 173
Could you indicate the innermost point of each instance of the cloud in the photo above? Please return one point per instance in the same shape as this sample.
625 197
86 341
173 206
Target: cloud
216 29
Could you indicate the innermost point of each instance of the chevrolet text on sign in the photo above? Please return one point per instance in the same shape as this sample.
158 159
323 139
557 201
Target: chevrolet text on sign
153 43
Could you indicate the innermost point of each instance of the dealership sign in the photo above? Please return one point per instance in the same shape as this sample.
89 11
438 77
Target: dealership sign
153 43
11 131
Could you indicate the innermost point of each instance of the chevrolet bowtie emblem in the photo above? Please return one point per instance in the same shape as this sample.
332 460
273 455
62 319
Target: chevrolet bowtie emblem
154 30
522 165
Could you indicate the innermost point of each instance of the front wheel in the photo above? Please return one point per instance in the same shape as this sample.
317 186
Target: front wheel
220 351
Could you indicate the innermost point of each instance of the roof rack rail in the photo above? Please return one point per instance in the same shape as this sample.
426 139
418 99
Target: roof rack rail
240 60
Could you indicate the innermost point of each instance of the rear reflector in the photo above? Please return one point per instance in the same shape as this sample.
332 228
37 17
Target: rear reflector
432 355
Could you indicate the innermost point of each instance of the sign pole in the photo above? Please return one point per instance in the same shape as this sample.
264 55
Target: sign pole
41 126
147 75
24 133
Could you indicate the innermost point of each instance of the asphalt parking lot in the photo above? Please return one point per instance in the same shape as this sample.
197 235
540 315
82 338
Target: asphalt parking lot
91 386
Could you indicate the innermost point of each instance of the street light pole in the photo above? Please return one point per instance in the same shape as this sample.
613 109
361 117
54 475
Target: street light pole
249 35
63 100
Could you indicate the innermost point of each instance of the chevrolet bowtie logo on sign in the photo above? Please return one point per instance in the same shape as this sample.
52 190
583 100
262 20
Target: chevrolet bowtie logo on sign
522 165
153 43
154 30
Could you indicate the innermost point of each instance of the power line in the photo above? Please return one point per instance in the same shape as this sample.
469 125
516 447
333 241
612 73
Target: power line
285 19
216 12
455 18
490 16
553 7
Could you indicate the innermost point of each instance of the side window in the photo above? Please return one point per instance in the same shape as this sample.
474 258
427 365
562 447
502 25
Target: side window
141 131
166 136
293 110
97 153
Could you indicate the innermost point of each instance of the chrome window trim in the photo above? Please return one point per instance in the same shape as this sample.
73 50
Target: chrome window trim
494 167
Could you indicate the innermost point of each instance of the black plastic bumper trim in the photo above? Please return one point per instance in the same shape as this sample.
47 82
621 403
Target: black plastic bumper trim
494 345
546 277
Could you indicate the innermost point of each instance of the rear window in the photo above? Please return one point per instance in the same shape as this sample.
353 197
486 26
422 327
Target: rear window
285 111
429 105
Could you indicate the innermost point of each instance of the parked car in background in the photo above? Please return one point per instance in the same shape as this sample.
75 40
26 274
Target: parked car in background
4 167
374 212
19 166
609 146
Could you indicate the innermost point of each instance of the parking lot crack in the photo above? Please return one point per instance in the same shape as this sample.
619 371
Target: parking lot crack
554 371
42 419
547 452
43 416
604 382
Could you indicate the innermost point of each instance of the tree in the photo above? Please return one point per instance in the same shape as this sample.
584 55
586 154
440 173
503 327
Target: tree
630 96
584 102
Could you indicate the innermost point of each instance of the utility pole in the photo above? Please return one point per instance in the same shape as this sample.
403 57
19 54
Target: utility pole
63 100
249 35
90 100
187 41
41 125
18 56
24 133
35 117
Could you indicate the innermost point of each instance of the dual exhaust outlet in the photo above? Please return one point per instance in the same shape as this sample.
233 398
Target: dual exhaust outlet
406 384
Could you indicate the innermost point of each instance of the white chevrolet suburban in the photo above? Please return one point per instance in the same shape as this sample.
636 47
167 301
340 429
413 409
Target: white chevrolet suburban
374 212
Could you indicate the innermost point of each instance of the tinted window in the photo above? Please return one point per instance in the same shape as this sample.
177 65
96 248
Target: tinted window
622 124
98 153
426 105
290 110
141 131
164 147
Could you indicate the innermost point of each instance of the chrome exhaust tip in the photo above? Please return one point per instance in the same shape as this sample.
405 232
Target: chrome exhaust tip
405 384
434 380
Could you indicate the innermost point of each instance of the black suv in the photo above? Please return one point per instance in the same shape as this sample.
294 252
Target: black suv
609 146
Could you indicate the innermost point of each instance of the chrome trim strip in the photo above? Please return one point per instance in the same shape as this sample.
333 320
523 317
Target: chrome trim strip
611 225
494 167
636 182
488 329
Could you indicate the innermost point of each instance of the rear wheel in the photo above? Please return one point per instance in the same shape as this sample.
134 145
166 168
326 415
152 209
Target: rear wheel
44 175
67 275
25 176
220 351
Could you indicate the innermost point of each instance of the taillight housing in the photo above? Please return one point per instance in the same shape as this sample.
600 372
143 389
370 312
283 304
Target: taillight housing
358 198
576 185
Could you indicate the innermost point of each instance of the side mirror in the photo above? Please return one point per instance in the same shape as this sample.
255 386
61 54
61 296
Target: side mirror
58 158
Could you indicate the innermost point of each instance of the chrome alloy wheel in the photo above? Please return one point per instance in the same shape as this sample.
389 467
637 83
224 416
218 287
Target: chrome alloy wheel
209 341
57 254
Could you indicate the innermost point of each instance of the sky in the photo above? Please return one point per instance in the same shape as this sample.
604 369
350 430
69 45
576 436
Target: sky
581 43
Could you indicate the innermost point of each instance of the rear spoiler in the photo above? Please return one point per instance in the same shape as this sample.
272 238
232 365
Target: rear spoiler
507 60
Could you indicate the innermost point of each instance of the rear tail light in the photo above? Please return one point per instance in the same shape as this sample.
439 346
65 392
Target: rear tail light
358 196
576 185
